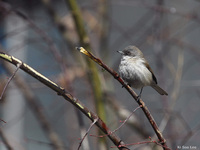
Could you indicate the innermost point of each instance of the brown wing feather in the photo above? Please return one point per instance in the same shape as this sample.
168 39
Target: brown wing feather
153 76
154 85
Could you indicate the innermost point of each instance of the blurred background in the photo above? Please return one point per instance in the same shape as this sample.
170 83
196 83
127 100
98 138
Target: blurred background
44 34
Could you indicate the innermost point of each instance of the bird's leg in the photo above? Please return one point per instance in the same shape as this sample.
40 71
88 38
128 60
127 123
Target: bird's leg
139 96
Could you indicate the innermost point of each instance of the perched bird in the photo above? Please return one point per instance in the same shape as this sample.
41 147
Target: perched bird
135 70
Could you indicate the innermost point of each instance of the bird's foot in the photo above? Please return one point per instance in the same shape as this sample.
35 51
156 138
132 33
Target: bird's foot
138 98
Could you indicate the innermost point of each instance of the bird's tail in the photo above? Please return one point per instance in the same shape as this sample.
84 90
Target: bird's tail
159 89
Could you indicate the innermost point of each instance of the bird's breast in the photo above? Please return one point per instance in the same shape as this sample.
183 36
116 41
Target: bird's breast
135 72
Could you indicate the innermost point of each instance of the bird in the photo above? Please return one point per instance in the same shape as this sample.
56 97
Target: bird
135 70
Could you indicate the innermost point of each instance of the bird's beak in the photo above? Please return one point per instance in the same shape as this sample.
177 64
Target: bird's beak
121 52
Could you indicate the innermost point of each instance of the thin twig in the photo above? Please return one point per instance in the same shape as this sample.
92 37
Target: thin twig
9 80
122 112
139 143
91 125
127 118
120 125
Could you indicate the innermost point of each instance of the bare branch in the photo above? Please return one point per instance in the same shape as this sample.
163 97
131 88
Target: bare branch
127 118
92 124
9 80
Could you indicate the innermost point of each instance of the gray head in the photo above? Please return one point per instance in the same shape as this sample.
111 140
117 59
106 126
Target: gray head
131 51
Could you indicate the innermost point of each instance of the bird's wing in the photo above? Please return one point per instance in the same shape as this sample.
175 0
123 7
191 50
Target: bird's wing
153 76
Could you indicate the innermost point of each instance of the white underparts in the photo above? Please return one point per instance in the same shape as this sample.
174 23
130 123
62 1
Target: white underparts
134 72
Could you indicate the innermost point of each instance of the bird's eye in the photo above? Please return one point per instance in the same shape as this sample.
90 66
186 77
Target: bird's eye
127 53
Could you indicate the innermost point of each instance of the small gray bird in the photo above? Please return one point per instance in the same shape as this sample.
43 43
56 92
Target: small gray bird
135 70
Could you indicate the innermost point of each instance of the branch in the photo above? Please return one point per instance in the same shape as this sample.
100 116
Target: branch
121 124
9 80
133 94
143 142
127 118
87 132
67 96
